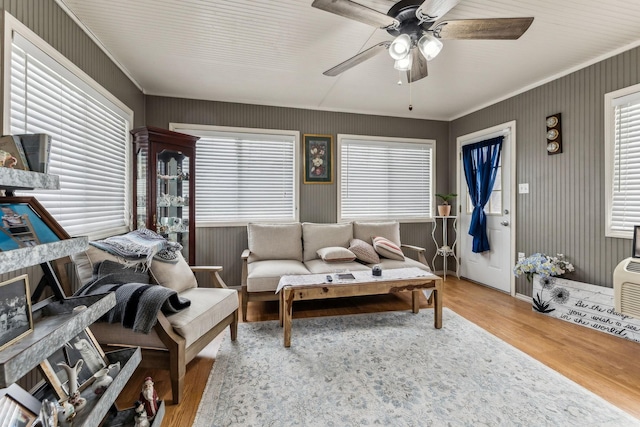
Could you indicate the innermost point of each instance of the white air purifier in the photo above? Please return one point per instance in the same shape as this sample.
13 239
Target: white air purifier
626 287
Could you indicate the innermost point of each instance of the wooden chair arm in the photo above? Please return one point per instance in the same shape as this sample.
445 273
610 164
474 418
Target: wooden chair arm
214 270
421 253
244 273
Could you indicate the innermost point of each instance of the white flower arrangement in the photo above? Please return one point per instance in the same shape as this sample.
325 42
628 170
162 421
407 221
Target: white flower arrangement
544 265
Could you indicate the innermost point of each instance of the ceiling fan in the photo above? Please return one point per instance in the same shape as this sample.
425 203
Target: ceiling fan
417 35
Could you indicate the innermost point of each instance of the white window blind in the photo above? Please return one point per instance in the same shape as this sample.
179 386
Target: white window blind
625 182
385 178
89 150
244 175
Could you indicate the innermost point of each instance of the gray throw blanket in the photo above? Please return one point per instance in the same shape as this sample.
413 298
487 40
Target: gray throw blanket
137 301
140 246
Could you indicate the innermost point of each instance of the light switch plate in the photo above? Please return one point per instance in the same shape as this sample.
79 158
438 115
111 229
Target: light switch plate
523 188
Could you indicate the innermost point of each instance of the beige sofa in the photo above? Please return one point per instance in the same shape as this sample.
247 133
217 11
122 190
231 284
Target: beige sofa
297 248
176 338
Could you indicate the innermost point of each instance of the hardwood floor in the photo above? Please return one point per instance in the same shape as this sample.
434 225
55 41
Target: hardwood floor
604 364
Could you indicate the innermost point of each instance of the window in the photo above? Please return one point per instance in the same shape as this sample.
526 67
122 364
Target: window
89 131
494 205
244 175
385 178
622 156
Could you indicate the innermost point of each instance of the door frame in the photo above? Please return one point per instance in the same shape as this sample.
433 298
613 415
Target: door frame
462 140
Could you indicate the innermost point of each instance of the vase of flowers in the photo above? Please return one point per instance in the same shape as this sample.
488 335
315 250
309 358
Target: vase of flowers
545 266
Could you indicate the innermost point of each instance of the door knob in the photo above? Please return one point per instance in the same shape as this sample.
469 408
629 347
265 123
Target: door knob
505 223
506 211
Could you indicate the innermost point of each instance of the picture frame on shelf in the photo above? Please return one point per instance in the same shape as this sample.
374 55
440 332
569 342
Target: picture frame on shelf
17 407
318 159
16 320
24 222
83 346
12 154
13 412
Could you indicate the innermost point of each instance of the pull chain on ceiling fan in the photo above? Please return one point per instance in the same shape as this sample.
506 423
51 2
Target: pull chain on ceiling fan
417 35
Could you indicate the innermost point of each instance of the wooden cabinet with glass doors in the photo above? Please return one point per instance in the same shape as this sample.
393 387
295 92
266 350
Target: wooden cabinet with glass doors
164 186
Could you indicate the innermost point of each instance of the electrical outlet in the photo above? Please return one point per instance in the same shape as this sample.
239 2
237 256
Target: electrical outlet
520 255
523 188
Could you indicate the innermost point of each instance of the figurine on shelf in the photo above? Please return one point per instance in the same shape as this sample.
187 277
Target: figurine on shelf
149 397
66 414
72 375
164 200
140 417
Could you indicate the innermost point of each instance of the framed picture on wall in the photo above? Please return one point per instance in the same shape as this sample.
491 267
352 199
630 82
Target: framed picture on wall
636 241
318 159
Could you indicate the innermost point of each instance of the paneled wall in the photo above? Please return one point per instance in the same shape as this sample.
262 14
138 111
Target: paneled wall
223 246
564 211
53 25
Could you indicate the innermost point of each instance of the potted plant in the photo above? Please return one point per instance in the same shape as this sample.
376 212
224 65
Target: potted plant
444 209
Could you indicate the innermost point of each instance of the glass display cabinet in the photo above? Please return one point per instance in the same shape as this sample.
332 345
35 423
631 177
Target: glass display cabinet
163 186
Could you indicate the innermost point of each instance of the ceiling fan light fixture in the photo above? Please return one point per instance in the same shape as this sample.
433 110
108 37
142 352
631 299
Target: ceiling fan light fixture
430 46
403 64
400 47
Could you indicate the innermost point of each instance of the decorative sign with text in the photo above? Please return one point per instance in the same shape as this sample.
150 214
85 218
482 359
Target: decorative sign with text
583 304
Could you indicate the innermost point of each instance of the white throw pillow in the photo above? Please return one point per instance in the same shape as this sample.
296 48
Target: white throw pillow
387 249
364 251
317 236
336 254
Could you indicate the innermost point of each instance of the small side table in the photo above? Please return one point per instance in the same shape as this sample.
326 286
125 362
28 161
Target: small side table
445 250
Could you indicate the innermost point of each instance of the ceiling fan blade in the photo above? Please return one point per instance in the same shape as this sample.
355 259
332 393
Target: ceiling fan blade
430 10
357 12
418 67
479 29
359 58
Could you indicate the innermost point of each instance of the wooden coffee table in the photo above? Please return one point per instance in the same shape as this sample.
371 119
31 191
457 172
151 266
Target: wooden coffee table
315 286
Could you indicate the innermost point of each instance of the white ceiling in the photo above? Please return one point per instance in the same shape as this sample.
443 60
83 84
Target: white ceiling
274 52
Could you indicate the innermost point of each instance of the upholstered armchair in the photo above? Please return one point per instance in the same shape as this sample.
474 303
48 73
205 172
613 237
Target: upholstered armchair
178 337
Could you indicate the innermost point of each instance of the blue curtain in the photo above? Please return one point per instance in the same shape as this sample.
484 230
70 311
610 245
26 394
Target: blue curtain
481 162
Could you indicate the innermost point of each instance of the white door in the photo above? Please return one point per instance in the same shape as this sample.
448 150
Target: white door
494 267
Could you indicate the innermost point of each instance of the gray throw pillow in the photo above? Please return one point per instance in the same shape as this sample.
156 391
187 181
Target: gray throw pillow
364 251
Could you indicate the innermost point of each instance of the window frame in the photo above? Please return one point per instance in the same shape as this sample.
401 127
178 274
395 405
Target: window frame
86 83
399 140
192 129
609 156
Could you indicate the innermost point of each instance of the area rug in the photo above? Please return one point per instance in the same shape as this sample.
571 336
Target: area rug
390 369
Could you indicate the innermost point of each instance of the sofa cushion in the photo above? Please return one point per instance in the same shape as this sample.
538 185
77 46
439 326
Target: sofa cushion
209 306
317 266
368 230
264 275
389 264
364 251
109 333
387 249
275 241
173 275
318 236
336 254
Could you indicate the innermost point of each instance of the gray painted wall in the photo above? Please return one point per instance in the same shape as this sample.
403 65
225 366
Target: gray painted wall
223 246
565 209
53 25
